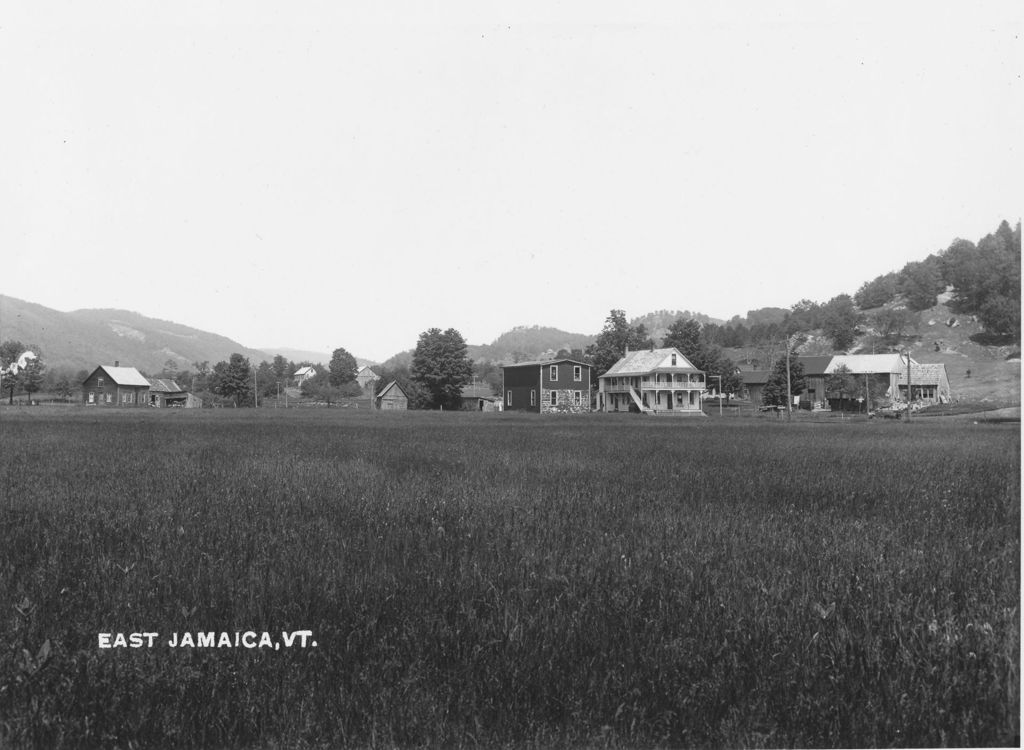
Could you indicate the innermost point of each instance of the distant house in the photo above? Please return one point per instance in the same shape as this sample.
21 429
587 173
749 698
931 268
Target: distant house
655 381
479 397
547 386
391 398
928 383
164 392
366 378
303 374
754 382
115 386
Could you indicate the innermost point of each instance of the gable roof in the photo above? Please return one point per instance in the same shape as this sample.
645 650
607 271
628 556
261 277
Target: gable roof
122 375
815 365
648 360
365 370
393 384
163 385
867 364
924 374
307 370
755 377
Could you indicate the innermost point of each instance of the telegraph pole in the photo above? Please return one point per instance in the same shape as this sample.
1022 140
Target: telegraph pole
789 386
908 386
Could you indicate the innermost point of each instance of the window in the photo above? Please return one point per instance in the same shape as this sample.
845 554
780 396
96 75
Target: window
673 360
107 399
533 398
508 398
554 398
99 382
92 397
553 374
577 398
577 373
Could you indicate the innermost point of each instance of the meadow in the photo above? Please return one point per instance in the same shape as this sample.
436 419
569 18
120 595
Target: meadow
509 581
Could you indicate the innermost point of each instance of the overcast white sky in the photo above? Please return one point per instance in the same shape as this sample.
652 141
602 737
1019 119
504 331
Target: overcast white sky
351 176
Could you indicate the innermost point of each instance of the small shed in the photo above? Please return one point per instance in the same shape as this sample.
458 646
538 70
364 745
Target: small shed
164 392
479 397
929 383
392 398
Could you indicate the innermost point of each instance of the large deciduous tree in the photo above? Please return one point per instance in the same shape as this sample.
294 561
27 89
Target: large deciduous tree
342 368
615 338
441 366
233 380
840 321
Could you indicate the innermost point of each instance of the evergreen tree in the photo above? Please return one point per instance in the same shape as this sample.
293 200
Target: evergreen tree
774 393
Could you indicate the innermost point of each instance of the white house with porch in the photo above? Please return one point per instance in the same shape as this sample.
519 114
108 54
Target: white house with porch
652 381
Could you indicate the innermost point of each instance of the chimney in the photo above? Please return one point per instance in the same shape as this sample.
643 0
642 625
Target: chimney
117 363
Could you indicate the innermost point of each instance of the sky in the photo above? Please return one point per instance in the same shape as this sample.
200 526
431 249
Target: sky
346 176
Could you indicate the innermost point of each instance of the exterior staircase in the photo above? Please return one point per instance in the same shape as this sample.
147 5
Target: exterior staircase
639 402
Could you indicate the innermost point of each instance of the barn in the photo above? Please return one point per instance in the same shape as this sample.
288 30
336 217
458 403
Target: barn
392 398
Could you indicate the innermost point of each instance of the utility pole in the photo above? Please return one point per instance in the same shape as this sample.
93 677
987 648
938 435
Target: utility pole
789 386
255 389
908 386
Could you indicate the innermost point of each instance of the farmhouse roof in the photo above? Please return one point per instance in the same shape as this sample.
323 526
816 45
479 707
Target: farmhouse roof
123 375
544 362
307 370
867 364
163 385
365 370
649 360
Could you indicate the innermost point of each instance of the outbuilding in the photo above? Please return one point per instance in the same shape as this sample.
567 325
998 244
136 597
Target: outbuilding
392 398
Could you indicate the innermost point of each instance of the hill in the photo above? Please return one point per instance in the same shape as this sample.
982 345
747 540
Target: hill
83 339
528 342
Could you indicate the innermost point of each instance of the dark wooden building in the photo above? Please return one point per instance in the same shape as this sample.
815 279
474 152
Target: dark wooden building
115 386
392 398
547 386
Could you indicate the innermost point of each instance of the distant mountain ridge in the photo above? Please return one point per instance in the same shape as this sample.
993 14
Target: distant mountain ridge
525 342
83 339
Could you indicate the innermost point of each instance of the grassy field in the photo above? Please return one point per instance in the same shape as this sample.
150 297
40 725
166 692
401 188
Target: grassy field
498 580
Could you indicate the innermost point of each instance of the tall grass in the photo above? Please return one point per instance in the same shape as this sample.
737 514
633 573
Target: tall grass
506 580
